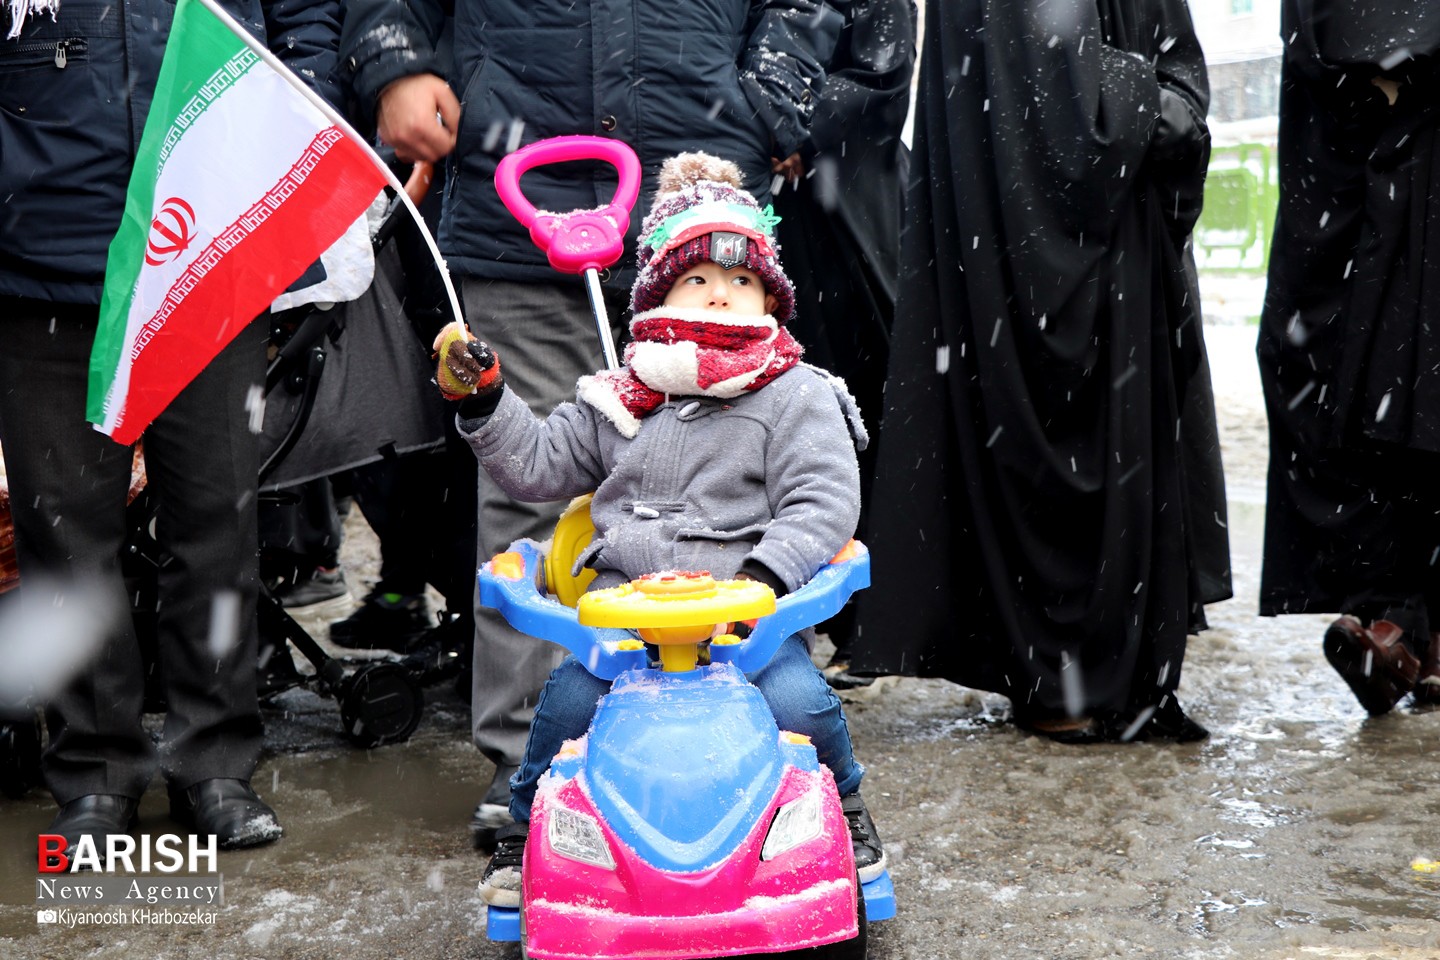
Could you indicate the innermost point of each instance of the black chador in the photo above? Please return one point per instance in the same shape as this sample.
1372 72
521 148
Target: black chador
1049 508
1350 339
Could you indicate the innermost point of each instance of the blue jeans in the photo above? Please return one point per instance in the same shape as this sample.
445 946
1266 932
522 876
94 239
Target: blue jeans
791 684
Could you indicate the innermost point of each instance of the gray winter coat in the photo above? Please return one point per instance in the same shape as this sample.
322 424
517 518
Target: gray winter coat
769 476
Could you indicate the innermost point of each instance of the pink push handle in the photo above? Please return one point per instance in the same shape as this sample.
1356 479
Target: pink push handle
582 239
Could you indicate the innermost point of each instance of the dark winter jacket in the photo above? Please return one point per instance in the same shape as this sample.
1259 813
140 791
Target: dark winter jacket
74 95
736 78
707 484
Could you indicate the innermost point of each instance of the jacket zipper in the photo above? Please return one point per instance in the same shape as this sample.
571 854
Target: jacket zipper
61 50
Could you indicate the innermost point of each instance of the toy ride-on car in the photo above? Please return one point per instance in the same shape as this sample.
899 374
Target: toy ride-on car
685 823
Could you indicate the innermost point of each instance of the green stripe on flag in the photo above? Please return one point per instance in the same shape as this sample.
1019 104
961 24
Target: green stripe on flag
209 92
203 57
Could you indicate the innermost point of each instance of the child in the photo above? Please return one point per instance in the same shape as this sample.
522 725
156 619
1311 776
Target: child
713 448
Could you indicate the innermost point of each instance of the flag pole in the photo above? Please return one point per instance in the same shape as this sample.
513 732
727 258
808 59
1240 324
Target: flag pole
334 117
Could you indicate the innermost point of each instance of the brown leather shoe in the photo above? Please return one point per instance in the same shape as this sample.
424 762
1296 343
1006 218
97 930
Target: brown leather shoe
1373 660
1427 688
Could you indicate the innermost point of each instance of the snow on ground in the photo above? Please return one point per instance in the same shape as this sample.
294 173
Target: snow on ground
1231 308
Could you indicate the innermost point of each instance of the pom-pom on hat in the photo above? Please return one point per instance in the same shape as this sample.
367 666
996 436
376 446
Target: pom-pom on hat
702 213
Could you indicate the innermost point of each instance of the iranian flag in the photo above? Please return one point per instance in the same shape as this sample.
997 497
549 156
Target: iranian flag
242 179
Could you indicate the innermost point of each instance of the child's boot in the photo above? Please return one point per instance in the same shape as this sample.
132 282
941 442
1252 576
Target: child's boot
870 859
500 886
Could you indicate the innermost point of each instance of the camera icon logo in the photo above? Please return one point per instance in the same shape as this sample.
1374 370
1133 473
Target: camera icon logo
47 916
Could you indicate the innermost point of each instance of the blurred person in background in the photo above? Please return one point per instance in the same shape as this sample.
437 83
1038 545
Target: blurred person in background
76 78
1350 343
1048 511
840 215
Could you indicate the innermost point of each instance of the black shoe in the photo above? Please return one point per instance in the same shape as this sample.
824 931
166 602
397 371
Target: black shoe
1171 723
870 860
385 621
838 675
1427 687
441 652
500 886
492 813
95 815
229 809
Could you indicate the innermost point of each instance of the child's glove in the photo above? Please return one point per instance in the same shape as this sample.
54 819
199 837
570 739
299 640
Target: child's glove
467 367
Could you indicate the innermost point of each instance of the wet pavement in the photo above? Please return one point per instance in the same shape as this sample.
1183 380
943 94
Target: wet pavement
1290 833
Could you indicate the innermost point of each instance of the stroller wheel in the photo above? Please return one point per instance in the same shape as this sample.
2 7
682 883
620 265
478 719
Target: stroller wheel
19 756
380 703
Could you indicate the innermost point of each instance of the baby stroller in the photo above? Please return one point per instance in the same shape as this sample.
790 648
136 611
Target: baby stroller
347 386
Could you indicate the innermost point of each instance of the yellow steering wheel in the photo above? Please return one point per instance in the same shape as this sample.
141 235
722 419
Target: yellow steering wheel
676 611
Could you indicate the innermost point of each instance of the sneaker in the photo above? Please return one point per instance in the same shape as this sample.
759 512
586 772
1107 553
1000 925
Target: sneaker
492 813
870 861
324 585
500 885
385 621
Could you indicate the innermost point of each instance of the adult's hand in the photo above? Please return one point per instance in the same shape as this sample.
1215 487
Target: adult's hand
418 116
792 168
1176 133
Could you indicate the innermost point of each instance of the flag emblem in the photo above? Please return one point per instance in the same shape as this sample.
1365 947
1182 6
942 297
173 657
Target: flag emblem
170 232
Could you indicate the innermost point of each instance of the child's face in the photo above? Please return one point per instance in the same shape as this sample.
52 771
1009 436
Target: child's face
709 286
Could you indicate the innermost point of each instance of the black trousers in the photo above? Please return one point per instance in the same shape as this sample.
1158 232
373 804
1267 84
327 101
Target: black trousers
68 486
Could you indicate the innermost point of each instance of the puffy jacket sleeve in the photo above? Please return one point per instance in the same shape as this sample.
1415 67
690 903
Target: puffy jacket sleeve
783 64
867 83
534 460
385 40
813 480
305 35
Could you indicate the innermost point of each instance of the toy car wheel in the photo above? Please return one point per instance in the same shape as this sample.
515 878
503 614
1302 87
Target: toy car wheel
380 703
852 949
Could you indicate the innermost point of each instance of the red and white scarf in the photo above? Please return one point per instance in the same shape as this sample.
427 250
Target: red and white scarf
689 352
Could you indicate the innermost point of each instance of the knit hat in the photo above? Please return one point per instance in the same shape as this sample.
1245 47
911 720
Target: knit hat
701 213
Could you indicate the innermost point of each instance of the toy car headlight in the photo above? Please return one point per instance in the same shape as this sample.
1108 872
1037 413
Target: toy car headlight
578 837
794 824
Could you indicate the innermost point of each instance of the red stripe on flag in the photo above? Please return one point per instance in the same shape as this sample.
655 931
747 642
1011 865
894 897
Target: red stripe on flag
247 279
